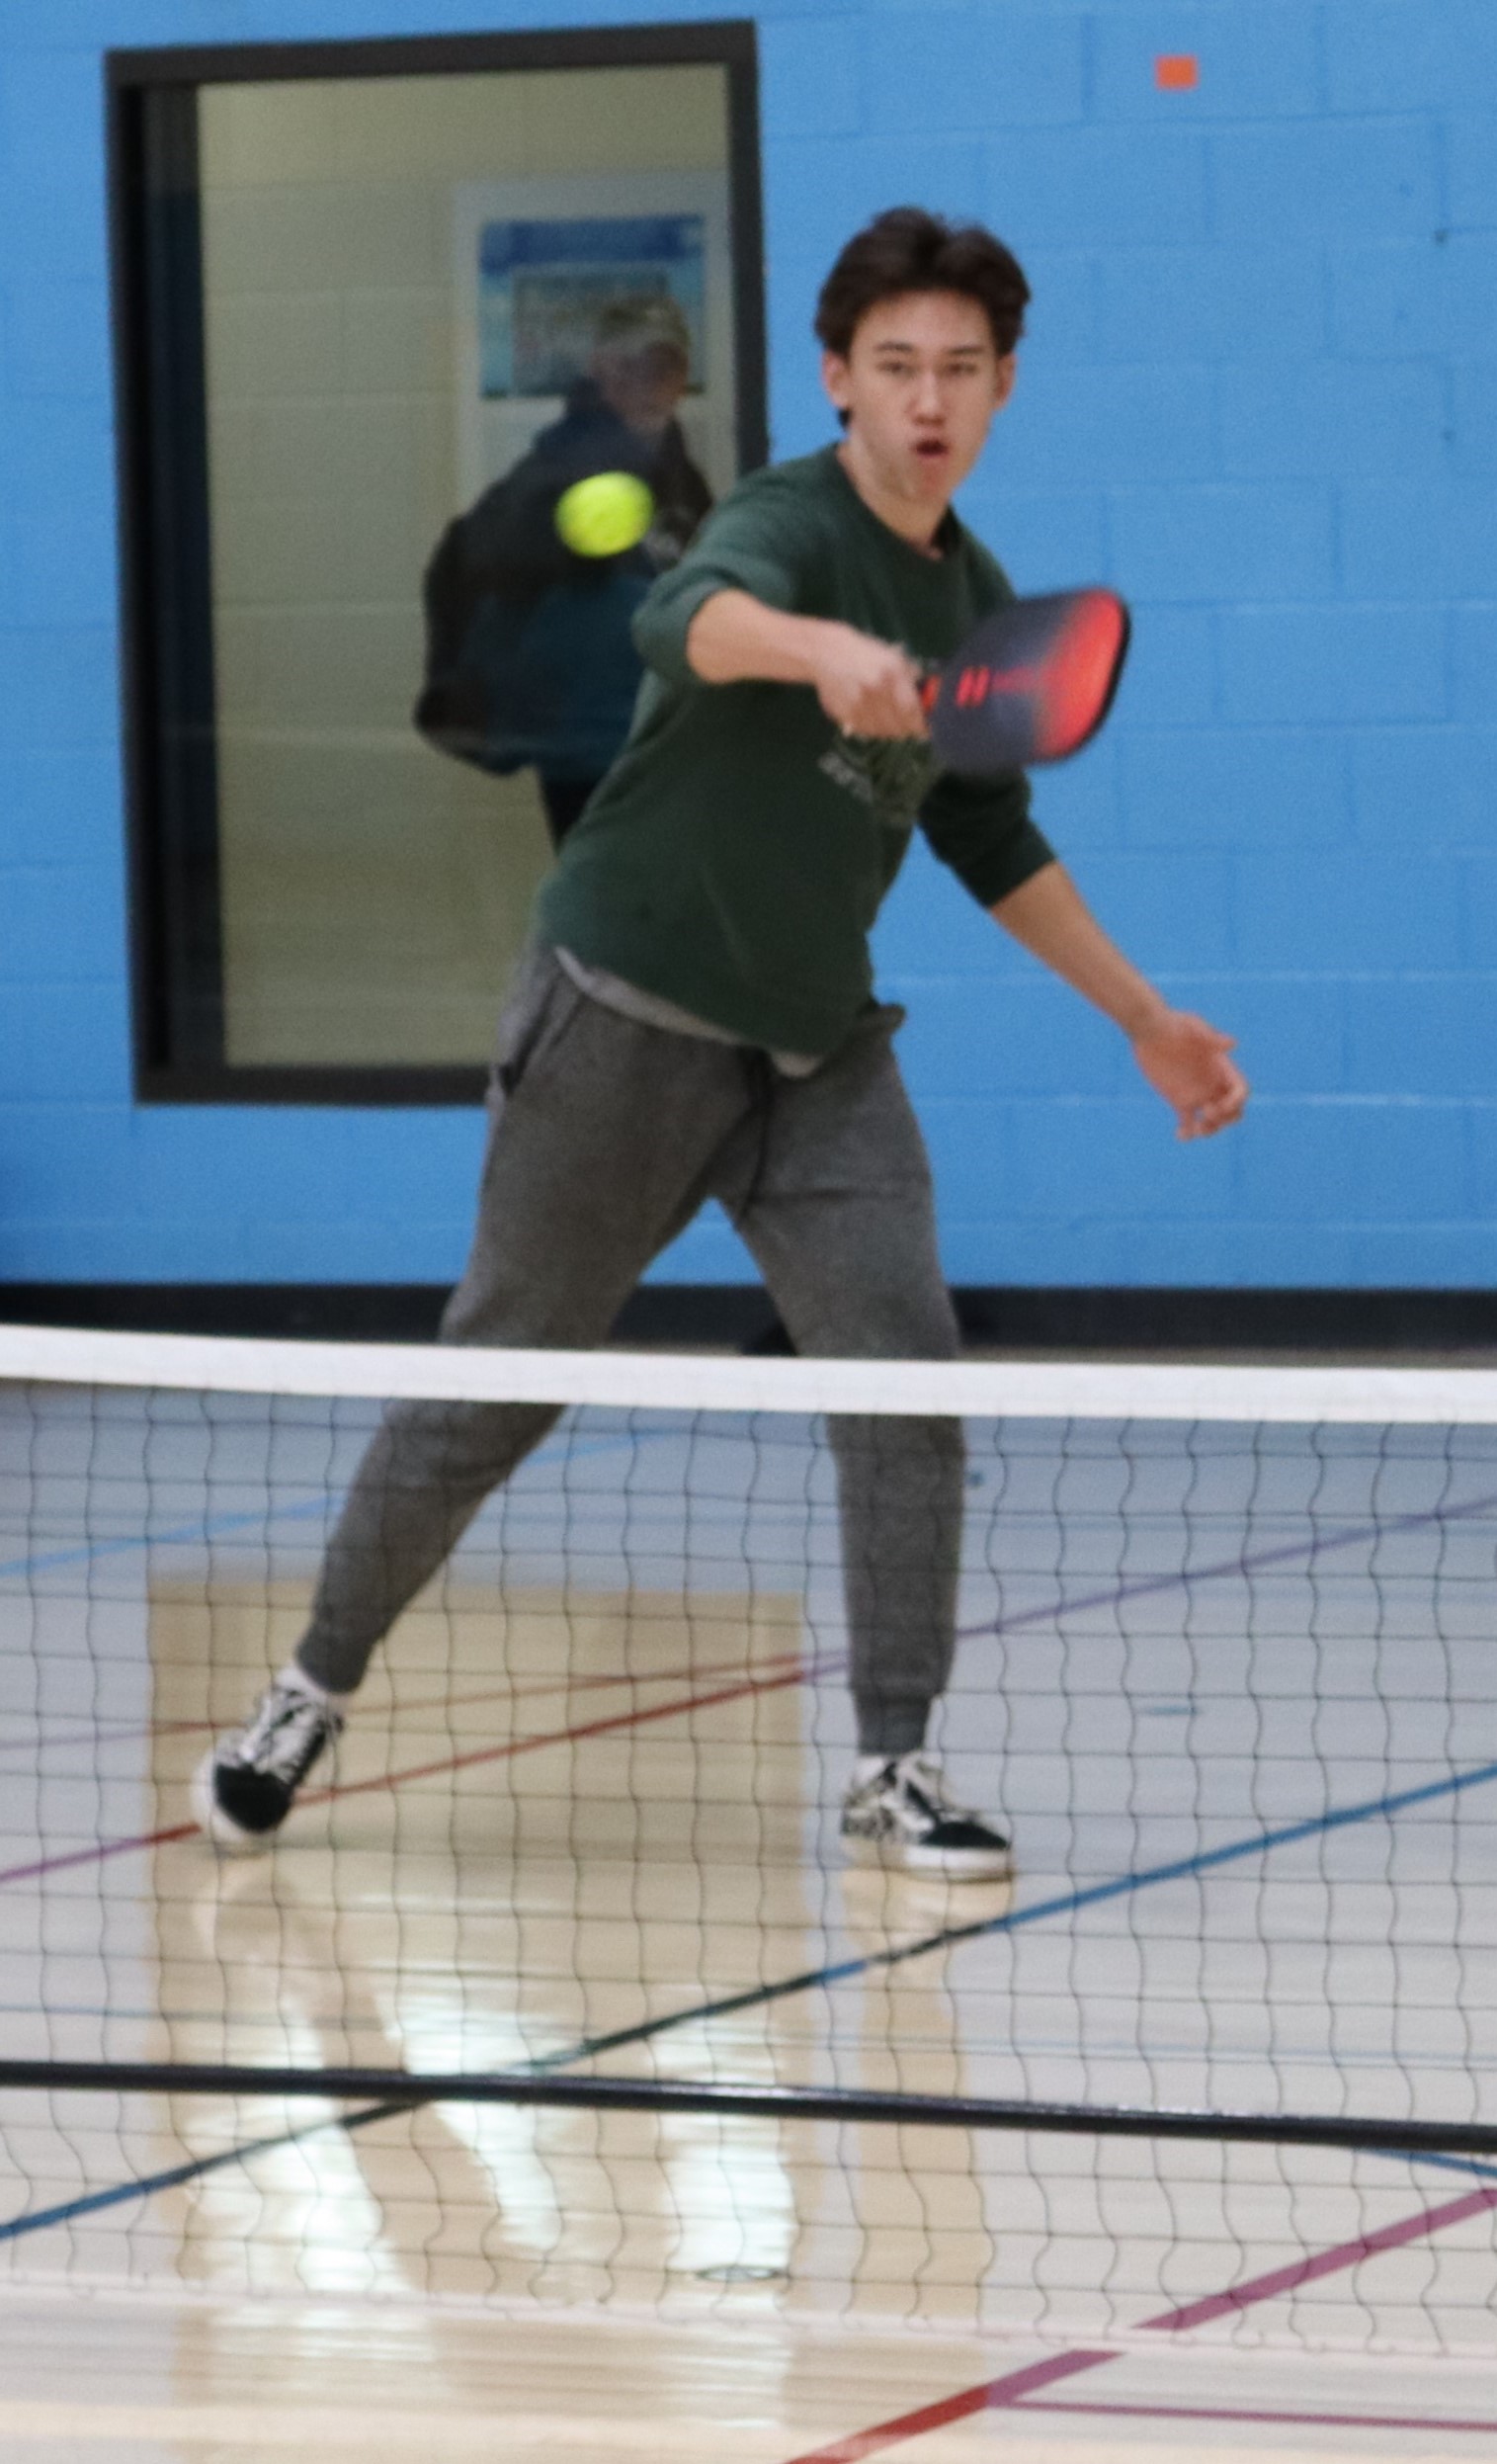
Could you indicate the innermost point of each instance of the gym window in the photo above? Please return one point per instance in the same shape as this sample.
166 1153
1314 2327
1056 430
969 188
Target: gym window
352 283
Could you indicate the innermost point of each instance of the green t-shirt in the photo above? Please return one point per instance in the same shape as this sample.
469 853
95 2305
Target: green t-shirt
737 853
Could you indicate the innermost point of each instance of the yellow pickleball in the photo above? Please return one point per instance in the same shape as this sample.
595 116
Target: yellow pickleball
606 514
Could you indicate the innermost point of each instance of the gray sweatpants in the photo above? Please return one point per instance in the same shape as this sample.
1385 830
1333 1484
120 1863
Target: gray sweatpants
605 1137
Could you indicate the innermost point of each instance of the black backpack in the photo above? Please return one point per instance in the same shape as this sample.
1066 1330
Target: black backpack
476 599
499 579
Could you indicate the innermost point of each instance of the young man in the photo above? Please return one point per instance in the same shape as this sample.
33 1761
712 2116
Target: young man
696 1020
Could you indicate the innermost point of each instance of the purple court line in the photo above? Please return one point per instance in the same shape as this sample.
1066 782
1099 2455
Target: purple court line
1009 2392
1148 1586
1234 2413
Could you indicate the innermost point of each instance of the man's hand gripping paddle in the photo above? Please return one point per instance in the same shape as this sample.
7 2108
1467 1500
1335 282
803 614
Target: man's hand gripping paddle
1033 683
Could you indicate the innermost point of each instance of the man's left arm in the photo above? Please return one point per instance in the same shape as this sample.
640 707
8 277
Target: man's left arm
1184 1060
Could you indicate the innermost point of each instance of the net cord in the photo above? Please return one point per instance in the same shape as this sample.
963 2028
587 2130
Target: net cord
797 2104
684 1381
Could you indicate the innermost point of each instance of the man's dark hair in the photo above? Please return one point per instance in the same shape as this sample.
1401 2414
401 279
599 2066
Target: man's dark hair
907 249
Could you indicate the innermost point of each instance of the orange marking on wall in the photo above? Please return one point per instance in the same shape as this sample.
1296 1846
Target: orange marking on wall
1176 71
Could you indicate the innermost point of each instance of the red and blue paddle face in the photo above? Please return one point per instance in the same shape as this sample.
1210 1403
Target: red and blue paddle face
1032 684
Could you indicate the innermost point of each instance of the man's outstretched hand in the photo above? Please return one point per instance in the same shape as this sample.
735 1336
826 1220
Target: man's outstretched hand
869 687
1189 1064
1184 1060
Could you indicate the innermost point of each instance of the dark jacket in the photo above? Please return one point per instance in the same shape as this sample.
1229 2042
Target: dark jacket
529 651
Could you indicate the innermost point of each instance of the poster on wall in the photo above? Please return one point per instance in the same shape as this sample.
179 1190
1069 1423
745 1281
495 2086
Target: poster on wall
544 286
539 264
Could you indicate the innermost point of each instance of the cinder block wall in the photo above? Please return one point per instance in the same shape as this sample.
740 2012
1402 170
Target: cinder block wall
1258 394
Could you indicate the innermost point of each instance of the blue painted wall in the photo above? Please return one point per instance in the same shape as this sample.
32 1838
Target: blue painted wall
1260 394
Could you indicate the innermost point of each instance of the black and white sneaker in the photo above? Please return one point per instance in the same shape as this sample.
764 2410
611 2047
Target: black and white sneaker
245 1787
899 1815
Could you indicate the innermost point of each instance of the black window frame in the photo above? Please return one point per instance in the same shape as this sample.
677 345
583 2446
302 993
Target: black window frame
165 549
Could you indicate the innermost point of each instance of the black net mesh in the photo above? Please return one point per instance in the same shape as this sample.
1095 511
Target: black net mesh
1228 1680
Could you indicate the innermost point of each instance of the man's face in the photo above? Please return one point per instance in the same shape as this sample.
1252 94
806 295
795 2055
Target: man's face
921 382
643 387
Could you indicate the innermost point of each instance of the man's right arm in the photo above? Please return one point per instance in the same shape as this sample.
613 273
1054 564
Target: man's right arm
867 686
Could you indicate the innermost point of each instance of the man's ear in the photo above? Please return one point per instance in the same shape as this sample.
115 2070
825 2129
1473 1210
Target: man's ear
837 379
1005 378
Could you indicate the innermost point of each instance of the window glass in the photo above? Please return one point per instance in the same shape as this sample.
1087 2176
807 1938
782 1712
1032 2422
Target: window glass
400 283
355 308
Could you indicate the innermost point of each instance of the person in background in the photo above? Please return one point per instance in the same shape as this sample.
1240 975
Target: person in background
529 655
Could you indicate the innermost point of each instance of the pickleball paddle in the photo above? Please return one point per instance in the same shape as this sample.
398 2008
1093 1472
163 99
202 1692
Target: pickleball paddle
1033 683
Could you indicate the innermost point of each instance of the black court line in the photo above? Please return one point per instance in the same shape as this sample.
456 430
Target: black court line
837 1971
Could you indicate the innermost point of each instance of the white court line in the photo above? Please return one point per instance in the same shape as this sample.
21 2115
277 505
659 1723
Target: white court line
383 2433
227 2428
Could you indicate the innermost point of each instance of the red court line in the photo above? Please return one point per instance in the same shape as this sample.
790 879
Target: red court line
996 2394
636 1717
564 1736
1229 2413
98 1727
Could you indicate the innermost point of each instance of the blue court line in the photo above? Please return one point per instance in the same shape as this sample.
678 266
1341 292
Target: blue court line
1451 2164
214 1526
838 1972
1123 1886
180 1533
92 2200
